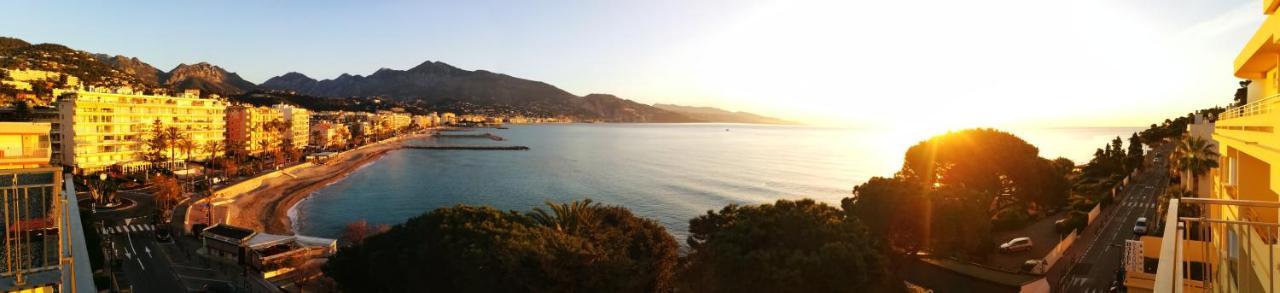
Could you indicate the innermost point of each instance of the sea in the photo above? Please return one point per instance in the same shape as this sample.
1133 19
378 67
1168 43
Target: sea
670 173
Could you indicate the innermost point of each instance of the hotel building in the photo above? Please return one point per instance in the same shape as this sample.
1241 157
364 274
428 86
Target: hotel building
97 129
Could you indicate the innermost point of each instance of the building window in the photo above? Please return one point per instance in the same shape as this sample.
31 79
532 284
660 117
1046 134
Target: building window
1194 271
1233 165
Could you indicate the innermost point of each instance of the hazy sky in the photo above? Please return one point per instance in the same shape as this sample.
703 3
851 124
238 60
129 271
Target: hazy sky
921 65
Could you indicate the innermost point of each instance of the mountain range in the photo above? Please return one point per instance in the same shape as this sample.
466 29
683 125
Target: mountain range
720 115
431 85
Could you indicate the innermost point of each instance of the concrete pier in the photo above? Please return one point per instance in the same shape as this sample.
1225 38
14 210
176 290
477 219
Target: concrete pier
483 135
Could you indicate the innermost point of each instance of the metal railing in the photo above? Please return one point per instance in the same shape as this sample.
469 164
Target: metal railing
1261 106
1235 253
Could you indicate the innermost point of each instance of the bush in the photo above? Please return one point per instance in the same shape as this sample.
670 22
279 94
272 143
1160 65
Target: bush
788 246
1106 201
1078 221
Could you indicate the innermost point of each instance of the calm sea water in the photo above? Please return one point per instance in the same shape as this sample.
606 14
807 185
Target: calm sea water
667 172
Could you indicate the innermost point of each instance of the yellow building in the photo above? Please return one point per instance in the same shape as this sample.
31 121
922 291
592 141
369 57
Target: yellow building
96 129
43 241
393 121
298 120
256 129
24 145
1239 250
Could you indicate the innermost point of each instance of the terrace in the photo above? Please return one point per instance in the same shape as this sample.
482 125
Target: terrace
1223 250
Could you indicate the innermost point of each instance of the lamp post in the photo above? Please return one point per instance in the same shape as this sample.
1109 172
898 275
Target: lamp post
102 185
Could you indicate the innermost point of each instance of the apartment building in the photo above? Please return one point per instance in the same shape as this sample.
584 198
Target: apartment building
1227 242
254 128
44 248
24 145
96 129
298 121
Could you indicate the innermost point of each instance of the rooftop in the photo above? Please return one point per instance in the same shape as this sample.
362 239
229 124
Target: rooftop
229 231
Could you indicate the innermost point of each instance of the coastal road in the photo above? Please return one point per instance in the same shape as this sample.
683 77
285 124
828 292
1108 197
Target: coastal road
147 265
1100 259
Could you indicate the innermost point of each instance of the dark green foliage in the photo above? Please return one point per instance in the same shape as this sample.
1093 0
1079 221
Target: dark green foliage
999 166
1134 157
481 249
788 246
961 225
1078 220
893 209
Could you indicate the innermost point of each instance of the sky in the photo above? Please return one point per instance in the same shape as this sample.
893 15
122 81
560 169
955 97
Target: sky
919 65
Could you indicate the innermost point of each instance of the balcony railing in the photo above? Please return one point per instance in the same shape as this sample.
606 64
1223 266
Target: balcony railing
1239 253
1262 106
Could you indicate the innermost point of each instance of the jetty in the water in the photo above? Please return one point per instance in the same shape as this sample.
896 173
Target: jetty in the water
469 147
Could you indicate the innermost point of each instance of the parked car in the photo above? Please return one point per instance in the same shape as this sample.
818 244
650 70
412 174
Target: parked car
1141 227
1017 244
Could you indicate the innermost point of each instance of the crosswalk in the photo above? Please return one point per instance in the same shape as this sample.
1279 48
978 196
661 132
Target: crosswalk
1140 204
127 228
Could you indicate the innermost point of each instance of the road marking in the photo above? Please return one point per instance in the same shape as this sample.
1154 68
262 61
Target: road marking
140 264
148 250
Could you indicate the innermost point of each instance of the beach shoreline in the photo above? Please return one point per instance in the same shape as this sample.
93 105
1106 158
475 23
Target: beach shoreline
267 208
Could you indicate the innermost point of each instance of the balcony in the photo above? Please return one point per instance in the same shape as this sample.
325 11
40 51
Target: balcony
1262 106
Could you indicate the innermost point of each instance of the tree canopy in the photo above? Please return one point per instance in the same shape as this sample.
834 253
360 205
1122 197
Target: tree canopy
893 209
997 165
788 246
482 249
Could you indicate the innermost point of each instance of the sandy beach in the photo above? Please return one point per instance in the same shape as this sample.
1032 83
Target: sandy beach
266 208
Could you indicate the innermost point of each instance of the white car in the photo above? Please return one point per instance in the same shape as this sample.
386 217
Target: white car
1017 244
1141 227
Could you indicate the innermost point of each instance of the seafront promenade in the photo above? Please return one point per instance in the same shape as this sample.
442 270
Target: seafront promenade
262 203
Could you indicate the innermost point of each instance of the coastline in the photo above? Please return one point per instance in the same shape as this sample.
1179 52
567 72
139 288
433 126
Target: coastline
267 208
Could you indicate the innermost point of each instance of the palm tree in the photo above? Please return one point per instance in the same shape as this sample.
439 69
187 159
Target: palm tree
171 137
186 144
1196 156
572 217
213 148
